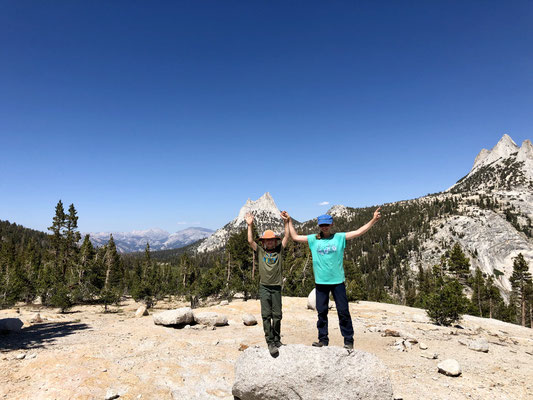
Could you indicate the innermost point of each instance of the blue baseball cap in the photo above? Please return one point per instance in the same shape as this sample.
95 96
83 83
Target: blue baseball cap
325 219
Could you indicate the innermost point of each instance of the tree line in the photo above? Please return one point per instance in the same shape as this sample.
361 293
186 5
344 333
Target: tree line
58 271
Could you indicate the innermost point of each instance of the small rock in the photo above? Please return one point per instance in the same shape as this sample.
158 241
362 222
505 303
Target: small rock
36 318
104 370
141 311
423 346
449 367
479 345
20 356
187 327
224 303
111 395
249 320
32 355
407 345
243 346
430 356
463 342
391 332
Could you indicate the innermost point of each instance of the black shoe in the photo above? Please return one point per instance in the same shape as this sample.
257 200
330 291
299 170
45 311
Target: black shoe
274 352
348 345
319 344
279 344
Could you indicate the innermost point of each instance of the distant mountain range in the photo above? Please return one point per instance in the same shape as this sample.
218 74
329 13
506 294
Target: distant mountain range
159 239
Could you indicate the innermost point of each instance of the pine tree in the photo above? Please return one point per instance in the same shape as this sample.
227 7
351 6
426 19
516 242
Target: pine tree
112 290
458 263
56 237
478 291
71 239
520 279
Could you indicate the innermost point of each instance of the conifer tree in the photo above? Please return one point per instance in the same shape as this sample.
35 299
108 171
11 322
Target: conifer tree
56 237
458 263
112 290
520 279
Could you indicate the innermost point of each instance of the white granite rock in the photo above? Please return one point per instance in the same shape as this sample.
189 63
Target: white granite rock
210 318
449 367
249 320
180 316
306 372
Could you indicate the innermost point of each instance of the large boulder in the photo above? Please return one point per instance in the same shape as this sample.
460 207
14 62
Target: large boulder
311 300
180 316
210 318
8 325
306 372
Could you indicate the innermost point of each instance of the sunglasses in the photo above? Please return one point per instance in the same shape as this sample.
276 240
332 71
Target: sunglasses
324 225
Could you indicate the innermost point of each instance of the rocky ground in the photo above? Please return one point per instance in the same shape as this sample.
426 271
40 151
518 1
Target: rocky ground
87 354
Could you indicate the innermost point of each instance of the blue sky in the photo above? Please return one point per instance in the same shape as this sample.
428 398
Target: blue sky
171 114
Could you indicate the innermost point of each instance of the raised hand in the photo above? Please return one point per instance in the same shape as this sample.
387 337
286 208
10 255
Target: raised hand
377 214
249 219
285 215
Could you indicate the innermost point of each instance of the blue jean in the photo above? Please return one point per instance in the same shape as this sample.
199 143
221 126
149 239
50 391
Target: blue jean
343 311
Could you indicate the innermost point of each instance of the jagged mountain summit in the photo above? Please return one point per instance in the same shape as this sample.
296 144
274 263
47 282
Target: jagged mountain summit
266 216
507 166
158 239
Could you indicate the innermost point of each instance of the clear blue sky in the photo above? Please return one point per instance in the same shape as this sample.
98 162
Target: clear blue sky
170 114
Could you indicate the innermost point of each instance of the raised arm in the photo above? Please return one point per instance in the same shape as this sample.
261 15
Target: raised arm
294 235
250 221
365 228
287 235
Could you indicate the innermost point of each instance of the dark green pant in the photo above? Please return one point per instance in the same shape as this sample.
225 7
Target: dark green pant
271 312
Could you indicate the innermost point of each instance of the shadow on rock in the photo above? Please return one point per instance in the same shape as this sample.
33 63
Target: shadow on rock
39 335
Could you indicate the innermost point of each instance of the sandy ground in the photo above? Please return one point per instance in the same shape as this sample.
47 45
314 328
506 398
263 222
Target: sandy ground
85 354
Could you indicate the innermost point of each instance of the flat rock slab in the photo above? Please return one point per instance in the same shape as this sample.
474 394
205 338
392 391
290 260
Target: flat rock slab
180 316
306 372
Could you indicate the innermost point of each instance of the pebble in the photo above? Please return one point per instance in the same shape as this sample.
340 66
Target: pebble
21 356
423 346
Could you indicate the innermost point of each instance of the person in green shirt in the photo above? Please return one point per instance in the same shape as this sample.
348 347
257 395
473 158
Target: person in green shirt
327 250
269 255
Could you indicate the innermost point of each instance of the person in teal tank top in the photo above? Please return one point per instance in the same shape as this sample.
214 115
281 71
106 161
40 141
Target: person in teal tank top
327 250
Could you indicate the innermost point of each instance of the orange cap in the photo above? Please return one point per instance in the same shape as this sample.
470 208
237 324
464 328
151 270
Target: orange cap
269 235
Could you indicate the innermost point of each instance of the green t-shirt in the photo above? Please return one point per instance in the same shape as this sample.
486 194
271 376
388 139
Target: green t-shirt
327 258
270 265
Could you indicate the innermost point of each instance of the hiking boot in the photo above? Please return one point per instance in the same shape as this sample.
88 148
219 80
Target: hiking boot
348 345
319 344
279 344
274 352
